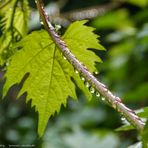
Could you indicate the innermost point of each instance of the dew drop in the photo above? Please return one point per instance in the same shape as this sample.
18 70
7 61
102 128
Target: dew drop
92 90
41 22
64 58
103 99
7 63
97 94
76 71
82 78
122 119
87 84
96 72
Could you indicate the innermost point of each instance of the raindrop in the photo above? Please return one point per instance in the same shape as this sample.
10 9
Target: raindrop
82 78
76 71
103 99
97 94
64 58
7 63
92 90
122 119
96 72
87 84
41 22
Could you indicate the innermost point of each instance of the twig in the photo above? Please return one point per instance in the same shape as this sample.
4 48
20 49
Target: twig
90 12
115 101
65 18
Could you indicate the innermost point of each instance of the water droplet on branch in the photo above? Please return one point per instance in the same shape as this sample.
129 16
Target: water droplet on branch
92 90
76 71
41 22
7 63
82 78
96 72
122 118
97 94
103 99
87 84
64 58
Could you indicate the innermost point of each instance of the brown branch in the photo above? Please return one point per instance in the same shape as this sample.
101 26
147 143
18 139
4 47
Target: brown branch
65 18
90 12
115 101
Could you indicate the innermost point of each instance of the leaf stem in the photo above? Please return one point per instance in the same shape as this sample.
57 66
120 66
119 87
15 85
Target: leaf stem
115 101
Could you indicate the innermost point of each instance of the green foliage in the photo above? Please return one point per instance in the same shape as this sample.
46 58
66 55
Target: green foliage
143 112
49 81
141 3
145 136
82 131
84 139
115 20
141 91
14 26
125 127
78 41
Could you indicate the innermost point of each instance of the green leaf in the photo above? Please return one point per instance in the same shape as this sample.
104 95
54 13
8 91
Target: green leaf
126 127
14 25
59 137
143 112
5 5
107 22
141 3
145 136
79 38
138 94
16 17
49 82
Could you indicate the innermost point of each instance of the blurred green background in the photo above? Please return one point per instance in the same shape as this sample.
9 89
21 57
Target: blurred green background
123 30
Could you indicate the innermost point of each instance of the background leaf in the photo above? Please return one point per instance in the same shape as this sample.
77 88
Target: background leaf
145 136
14 26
